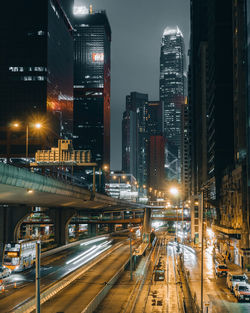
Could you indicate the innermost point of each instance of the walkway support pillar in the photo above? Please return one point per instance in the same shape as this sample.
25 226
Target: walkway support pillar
61 218
111 228
11 218
92 229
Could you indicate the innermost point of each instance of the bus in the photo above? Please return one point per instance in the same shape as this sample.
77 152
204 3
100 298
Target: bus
19 256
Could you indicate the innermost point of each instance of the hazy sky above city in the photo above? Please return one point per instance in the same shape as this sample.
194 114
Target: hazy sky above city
137 27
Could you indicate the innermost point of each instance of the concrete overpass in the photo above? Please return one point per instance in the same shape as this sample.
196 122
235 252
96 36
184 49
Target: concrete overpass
22 190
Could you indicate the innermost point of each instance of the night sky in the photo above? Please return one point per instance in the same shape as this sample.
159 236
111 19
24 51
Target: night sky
137 27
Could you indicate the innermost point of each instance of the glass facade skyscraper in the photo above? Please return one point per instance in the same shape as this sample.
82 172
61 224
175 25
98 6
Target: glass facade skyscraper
172 91
36 71
92 39
135 136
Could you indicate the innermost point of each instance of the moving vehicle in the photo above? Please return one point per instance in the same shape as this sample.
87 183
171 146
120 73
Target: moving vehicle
221 270
19 256
159 274
4 272
234 278
242 292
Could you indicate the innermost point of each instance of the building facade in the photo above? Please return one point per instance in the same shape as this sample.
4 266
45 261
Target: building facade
135 136
172 91
220 120
36 74
156 177
92 40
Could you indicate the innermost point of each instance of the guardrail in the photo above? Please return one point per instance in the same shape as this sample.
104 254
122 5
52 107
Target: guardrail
58 286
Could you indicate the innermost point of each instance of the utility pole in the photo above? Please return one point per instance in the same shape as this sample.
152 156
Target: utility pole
131 256
27 141
38 251
202 247
100 180
93 189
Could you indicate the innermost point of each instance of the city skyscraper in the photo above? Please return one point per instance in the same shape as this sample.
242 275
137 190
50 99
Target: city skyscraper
135 136
172 91
154 121
36 74
92 39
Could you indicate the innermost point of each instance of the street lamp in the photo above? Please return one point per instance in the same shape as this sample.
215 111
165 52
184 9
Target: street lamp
175 192
36 125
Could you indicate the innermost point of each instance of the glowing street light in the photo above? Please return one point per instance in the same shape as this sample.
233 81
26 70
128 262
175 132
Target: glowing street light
36 125
174 191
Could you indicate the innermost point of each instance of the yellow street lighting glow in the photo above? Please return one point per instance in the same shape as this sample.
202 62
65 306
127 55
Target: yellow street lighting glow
123 177
16 125
174 191
29 191
38 125
114 177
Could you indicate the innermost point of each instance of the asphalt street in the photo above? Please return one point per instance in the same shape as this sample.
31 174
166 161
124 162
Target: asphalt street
216 294
53 268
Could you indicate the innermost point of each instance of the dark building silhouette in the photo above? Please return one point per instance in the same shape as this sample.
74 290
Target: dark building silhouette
156 146
156 173
185 150
154 122
92 38
135 136
219 103
36 73
172 92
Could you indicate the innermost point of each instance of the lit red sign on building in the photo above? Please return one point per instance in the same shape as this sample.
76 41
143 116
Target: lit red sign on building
97 57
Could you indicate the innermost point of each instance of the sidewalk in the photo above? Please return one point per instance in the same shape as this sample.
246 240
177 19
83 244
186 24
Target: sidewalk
216 295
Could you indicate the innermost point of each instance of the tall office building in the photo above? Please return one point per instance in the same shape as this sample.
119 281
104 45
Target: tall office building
154 121
135 136
172 90
156 146
36 73
92 39
156 157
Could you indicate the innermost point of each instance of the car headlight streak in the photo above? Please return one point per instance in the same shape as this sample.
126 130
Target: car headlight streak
92 241
89 252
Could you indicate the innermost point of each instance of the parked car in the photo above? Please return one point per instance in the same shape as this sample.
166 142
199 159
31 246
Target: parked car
4 272
221 270
234 278
242 292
